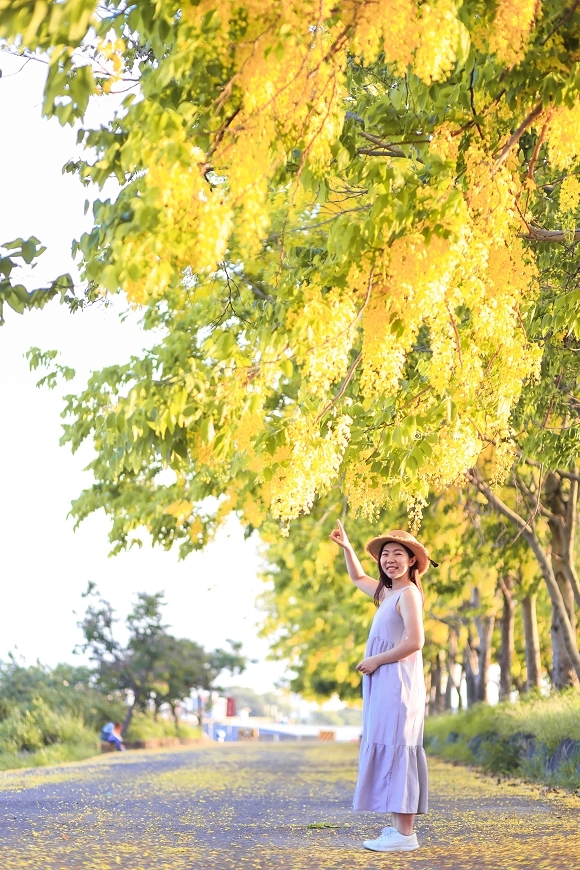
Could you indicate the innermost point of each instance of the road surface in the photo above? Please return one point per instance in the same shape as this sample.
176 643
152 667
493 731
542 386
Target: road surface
249 807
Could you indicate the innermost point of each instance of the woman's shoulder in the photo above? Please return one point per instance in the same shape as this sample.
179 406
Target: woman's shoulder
415 593
413 587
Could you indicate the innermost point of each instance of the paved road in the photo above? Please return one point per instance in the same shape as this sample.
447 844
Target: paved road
248 807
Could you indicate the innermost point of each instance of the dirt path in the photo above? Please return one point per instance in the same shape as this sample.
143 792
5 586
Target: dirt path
248 807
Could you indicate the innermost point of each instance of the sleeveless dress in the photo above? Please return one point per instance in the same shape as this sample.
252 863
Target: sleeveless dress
392 771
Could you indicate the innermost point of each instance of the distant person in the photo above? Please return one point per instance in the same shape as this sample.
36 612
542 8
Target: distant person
392 772
111 733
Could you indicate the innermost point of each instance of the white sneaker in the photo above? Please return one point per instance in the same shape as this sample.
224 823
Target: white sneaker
391 841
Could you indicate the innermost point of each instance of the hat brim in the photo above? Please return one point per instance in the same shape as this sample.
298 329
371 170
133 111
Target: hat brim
375 546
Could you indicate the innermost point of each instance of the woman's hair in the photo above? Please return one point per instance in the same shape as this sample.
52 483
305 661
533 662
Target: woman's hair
385 581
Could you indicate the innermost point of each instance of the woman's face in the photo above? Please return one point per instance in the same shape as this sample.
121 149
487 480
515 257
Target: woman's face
395 561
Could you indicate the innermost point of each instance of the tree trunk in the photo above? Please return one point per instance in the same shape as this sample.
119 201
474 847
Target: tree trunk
128 717
439 700
435 694
470 667
428 677
532 641
451 667
485 631
526 530
563 672
507 638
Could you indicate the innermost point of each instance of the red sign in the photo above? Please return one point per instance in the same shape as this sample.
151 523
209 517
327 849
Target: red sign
231 707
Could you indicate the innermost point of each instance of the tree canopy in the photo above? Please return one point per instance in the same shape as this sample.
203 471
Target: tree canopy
352 230
155 667
339 217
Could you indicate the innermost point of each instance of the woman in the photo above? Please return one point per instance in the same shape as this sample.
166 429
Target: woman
392 775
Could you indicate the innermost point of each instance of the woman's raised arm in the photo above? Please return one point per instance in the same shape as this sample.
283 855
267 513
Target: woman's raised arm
353 566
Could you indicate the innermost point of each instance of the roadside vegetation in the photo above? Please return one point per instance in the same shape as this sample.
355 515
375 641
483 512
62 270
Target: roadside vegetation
144 726
52 715
537 738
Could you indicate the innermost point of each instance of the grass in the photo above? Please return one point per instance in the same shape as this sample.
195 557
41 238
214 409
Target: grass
144 727
37 736
58 753
512 738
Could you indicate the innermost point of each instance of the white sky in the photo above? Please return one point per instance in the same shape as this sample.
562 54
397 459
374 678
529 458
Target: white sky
44 565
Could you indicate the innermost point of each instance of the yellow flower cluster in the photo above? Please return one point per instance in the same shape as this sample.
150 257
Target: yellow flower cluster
366 492
322 332
457 449
311 467
444 144
418 278
569 200
570 194
564 136
425 34
511 28
180 509
253 511
482 268
391 26
504 456
440 32
289 78
193 227
110 54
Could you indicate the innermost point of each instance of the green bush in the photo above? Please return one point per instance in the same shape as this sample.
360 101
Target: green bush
145 727
511 738
33 728
37 735
58 753
65 688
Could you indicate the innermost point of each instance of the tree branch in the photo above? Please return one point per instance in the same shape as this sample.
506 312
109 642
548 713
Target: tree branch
494 501
320 223
343 387
455 330
515 137
569 536
534 502
392 148
530 173
395 150
539 234
502 585
353 367
568 475
570 575
561 20
375 152
256 290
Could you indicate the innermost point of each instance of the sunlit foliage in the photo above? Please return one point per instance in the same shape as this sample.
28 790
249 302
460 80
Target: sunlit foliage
329 211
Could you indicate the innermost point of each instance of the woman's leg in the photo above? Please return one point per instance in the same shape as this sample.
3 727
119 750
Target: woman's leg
404 823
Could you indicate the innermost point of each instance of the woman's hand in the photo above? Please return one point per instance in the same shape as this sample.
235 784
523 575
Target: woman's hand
368 665
339 537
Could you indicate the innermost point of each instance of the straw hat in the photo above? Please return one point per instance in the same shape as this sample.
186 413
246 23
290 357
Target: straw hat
399 536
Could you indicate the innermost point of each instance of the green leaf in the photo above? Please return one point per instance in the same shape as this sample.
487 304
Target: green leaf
322 825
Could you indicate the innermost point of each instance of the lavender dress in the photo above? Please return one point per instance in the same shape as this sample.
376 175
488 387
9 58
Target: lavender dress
392 771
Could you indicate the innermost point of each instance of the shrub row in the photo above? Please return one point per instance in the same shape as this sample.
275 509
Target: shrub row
37 735
537 738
